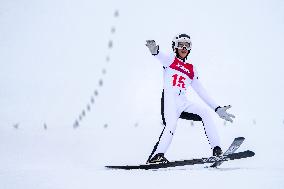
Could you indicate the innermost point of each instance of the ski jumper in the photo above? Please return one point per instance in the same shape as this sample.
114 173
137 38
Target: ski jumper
179 77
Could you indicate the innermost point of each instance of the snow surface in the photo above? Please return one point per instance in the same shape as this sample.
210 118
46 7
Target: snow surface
53 55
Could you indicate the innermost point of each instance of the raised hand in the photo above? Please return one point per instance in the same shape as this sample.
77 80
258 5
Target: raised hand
153 47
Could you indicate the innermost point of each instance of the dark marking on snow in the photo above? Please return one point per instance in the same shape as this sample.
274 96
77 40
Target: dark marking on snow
116 13
92 100
83 113
88 107
45 126
112 30
104 71
16 126
107 58
110 44
101 82
254 122
76 124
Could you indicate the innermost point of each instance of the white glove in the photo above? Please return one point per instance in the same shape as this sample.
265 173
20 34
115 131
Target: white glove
221 111
154 49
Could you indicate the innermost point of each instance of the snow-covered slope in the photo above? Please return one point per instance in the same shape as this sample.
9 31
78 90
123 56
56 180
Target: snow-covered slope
85 61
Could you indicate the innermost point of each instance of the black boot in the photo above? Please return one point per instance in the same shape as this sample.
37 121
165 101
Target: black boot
217 151
158 158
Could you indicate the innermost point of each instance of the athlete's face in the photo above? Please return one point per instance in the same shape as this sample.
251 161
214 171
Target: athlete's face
183 52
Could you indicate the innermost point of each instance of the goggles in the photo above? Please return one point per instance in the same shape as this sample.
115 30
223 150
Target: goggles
182 45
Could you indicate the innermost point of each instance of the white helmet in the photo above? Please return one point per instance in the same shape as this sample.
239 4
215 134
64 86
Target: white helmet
181 38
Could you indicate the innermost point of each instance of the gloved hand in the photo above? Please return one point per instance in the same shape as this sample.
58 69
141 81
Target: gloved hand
154 49
221 111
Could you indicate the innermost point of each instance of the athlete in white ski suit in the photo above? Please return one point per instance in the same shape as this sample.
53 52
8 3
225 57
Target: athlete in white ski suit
180 76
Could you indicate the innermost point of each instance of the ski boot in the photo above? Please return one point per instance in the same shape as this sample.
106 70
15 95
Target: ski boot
158 158
217 151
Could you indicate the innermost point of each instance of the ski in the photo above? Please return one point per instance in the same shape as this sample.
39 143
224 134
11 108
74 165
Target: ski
233 147
213 159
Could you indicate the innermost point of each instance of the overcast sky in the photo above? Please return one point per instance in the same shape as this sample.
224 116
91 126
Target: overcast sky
52 54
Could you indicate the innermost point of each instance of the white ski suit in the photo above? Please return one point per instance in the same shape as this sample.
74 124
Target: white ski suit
179 77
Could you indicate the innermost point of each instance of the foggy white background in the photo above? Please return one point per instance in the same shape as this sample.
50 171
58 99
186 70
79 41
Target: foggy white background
52 54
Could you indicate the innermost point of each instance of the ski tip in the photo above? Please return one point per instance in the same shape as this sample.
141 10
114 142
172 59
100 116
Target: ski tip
250 153
240 138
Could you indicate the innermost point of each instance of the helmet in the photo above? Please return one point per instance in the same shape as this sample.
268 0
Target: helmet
181 38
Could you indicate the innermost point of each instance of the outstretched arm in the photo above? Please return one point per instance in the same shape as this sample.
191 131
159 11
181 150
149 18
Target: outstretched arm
198 87
221 111
154 50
